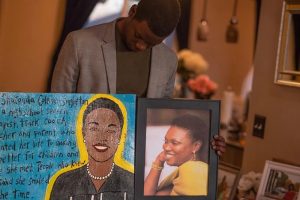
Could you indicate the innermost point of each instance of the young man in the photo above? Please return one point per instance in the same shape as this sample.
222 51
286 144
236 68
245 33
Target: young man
124 56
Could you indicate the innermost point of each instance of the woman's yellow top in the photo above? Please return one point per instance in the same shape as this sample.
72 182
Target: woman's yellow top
188 179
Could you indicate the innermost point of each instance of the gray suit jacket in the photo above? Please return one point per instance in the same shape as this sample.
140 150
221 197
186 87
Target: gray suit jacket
87 64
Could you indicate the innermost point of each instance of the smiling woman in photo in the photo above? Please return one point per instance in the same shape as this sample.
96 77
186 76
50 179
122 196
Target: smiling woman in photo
184 147
100 177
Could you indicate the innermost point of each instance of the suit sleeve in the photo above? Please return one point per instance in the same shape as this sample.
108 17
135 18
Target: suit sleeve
66 70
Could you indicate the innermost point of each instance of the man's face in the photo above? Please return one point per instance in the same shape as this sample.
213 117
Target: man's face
138 36
102 132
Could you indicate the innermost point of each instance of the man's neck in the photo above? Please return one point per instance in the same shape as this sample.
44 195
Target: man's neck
120 25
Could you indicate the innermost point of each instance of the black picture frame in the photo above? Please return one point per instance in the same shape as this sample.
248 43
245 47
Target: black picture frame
167 106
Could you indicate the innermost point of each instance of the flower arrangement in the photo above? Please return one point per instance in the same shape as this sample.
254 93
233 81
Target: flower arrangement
202 86
190 64
192 68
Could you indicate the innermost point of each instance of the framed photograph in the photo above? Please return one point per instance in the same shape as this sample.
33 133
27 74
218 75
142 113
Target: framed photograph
228 177
173 155
279 181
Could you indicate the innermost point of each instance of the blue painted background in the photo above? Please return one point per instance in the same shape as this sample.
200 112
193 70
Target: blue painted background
37 138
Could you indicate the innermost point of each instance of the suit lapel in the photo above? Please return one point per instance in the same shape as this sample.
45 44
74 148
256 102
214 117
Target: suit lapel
154 73
109 53
110 60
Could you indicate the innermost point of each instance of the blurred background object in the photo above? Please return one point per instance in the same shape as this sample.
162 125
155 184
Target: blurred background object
203 30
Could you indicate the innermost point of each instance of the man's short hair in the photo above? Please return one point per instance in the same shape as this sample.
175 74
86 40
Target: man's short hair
162 16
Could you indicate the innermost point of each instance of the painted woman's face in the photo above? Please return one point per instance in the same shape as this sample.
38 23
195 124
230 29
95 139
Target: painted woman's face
102 134
178 146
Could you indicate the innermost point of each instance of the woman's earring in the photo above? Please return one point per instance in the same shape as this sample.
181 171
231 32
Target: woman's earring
194 155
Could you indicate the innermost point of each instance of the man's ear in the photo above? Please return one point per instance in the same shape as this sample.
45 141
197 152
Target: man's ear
132 11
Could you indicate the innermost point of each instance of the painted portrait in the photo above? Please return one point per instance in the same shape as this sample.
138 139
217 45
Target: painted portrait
67 146
104 174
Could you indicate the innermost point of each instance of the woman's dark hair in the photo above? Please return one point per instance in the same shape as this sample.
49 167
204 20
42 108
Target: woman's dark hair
162 16
104 103
197 129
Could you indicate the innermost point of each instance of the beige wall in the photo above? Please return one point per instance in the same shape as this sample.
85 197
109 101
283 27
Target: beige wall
28 32
280 104
229 62
29 29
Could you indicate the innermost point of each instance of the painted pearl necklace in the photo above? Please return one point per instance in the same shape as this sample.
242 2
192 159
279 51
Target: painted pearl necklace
99 177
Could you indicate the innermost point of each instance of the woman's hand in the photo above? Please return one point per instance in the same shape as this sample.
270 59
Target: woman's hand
219 145
161 159
151 181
